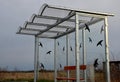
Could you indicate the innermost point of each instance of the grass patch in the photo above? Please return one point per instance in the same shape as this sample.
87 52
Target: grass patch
26 80
44 80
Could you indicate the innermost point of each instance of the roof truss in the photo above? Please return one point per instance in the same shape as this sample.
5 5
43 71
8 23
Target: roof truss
54 22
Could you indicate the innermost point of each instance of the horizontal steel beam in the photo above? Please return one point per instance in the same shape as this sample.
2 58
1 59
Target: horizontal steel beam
79 11
50 31
34 35
47 25
56 18
25 33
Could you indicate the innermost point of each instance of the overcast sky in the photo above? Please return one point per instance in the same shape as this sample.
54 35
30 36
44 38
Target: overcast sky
17 51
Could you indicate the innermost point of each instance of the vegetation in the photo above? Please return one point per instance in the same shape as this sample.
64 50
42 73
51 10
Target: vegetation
26 80
48 76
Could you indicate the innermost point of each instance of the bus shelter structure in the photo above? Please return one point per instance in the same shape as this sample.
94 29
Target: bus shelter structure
54 22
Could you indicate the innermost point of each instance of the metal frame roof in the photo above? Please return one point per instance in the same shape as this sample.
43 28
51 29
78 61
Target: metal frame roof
54 22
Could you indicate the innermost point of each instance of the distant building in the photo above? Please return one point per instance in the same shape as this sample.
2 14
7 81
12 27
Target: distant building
114 66
114 70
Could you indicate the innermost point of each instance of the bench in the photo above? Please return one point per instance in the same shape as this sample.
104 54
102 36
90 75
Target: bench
82 67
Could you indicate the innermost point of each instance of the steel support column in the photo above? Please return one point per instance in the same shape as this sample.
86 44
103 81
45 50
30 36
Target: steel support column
67 54
84 53
36 58
55 60
106 50
77 47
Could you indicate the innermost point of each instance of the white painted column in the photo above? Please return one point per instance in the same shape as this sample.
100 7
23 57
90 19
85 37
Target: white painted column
67 55
106 50
77 47
36 58
84 53
55 61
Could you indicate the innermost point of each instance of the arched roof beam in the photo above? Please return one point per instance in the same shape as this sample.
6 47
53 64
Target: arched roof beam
57 23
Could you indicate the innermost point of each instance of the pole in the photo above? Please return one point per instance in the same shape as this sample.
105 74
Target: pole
55 61
67 56
84 53
106 50
77 47
37 58
36 54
